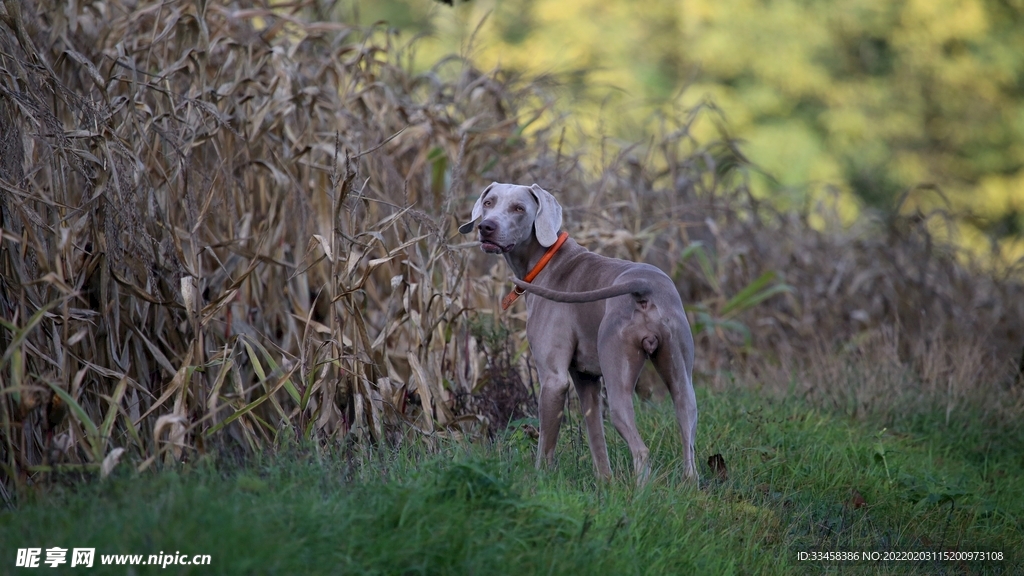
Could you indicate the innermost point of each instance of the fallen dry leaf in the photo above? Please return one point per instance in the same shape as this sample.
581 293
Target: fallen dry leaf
856 500
717 464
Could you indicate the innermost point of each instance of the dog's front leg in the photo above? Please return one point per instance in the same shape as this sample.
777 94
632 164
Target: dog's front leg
552 405
588 388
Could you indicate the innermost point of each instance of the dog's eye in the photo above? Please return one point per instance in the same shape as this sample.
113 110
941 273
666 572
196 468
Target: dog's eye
487 203
519 208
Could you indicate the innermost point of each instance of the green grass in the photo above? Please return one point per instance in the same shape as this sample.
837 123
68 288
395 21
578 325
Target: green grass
471 509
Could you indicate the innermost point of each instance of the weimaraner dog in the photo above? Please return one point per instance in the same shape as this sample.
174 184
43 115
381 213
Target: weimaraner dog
595 316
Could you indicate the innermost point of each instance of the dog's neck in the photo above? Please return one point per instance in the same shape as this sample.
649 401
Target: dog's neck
523 257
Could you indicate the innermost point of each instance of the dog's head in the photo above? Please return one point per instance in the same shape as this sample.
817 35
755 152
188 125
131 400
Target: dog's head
510 213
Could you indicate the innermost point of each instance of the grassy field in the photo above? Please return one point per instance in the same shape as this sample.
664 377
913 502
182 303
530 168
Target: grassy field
796 479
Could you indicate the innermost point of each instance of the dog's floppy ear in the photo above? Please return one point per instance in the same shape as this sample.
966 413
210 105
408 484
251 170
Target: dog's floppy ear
478 210
549 217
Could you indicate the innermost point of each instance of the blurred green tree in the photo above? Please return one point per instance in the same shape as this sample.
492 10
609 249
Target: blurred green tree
889 94
872 96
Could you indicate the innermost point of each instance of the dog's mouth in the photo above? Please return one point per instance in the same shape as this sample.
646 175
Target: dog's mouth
494 248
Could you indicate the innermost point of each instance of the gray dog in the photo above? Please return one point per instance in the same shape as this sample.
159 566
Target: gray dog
595 316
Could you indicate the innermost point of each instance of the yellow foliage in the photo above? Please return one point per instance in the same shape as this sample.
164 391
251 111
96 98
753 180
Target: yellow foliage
1000 194
942 20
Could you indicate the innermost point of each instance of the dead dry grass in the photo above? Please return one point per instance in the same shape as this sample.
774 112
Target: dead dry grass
225 224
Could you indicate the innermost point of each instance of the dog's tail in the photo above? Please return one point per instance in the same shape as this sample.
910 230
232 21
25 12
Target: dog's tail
639 288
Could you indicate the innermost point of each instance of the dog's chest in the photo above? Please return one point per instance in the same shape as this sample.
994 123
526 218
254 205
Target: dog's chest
569 329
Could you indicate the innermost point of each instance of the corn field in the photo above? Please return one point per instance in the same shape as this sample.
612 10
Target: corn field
227 224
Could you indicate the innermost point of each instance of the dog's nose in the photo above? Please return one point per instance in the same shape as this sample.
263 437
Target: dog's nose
488 227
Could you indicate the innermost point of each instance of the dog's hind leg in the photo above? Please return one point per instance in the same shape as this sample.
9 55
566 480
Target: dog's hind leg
676 368
620 365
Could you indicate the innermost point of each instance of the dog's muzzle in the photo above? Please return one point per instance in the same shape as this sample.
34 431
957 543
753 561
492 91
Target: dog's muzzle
494 247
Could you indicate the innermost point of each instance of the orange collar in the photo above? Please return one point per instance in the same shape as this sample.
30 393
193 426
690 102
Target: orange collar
517 291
